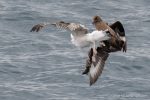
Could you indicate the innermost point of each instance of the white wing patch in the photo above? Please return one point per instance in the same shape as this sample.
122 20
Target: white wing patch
94 70
123 38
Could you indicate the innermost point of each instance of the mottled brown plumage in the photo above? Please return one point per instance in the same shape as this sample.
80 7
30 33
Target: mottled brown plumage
101 25
37 27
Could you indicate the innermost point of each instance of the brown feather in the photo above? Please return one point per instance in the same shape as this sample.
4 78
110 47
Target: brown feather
101 25
119 29
97 66
37 28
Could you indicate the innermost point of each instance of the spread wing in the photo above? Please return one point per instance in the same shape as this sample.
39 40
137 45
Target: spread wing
97 65
76 29
38 27
120 32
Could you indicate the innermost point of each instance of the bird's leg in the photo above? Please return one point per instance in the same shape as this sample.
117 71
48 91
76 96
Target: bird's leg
94 48
94 51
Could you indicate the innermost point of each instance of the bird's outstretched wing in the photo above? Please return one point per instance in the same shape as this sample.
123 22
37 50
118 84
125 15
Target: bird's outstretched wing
38 27
76 29
97 65
119 30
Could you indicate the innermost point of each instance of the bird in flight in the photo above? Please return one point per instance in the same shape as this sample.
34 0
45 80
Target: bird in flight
111 38
94 68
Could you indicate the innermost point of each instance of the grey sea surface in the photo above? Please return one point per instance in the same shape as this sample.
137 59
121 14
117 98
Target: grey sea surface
46 66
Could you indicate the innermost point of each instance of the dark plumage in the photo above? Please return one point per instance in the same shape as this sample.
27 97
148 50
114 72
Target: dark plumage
118 35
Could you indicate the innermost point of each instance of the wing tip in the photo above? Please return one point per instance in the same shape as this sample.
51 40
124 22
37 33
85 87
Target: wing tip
125 47
92 80
37 28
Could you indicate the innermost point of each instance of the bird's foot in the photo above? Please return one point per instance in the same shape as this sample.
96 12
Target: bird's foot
94 51
94 54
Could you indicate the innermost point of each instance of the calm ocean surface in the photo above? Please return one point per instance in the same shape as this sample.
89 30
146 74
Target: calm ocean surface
46 66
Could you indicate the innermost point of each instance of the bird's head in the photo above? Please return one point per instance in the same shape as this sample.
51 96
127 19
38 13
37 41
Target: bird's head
96 19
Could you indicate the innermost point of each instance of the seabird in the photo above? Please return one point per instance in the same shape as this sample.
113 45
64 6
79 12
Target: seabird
95 67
